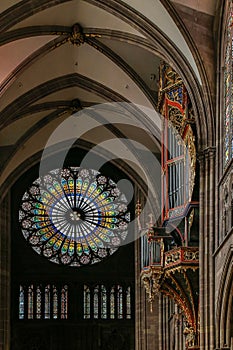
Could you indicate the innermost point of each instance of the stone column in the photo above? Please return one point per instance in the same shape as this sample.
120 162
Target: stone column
5 273
206 238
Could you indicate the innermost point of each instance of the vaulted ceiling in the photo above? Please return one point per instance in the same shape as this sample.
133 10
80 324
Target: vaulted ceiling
51 68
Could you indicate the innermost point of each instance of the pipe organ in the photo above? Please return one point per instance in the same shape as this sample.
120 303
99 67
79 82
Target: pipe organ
169 249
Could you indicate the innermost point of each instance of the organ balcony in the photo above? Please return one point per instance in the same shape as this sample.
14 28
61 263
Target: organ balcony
173 273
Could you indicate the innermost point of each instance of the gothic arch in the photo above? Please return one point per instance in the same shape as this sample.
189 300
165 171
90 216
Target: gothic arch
225 302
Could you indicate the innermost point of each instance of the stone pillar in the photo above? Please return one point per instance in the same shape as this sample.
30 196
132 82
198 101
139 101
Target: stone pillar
146 322
206 237
5 273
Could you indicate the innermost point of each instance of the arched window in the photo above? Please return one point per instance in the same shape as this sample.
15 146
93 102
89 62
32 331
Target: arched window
228 86
64 302
38 302
47 302
128 303
30 302
55 302
21 302
86 302
103 298
112 303
96 302
119 302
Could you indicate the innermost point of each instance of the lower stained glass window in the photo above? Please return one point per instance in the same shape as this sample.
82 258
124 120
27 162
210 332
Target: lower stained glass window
74 216
103 298
30 301
47 305
119 302
64 302
113 302
38 302
21 302
87 302
47 302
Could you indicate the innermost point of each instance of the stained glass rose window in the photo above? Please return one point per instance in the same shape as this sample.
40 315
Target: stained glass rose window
74 216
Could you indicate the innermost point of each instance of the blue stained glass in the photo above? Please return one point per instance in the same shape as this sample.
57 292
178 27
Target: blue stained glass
71 215
21 302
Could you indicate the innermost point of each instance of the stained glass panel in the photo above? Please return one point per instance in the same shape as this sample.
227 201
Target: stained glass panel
47 302
112 303
74 216
87 302
128 303
96 302
30 302
119 302
21 302
38 302
64 302
228 80
55 302
103 297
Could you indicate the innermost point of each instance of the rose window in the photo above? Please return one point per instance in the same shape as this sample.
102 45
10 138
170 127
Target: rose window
74 216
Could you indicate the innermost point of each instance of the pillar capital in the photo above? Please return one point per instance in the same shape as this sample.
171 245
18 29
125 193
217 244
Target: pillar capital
206 153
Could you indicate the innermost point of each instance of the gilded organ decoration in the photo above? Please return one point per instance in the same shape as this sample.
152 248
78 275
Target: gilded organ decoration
178 144
169 249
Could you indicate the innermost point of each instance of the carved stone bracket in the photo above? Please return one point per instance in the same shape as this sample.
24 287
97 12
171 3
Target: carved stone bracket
176 276
151 279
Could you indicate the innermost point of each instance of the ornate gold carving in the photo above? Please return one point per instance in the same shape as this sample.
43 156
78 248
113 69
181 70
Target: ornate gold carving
190 219
177 119
191 149
77 37
190 337
168 77
182 255
151 278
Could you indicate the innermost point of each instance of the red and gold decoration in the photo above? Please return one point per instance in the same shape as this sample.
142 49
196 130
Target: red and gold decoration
169 249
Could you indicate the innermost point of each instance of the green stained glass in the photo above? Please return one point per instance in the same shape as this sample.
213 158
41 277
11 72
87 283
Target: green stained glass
74 216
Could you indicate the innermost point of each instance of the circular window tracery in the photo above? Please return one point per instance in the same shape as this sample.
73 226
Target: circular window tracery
74 216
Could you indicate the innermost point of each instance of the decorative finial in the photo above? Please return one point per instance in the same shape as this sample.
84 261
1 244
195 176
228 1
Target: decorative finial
138 210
